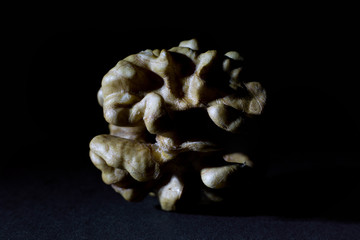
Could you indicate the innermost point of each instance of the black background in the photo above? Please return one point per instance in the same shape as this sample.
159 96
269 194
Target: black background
309 131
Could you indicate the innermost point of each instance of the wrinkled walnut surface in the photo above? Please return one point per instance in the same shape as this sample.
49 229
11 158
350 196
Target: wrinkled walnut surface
172 114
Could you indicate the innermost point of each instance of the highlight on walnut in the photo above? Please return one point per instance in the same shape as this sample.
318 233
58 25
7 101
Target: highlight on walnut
173 118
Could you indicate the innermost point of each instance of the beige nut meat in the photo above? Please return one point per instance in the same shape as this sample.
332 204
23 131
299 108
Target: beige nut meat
118 153
175 116
147 85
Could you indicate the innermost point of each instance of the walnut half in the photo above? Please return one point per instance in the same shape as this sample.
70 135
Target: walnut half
172 114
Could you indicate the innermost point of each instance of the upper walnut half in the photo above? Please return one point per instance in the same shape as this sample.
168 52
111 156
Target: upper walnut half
178 79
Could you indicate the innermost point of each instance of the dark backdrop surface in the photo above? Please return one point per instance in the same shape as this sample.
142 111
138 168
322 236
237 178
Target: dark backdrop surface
309 135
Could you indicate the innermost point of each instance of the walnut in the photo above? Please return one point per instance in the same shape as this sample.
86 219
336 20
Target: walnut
171 113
